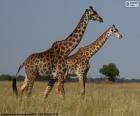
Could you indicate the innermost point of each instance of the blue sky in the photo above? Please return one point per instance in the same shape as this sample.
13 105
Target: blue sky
29 26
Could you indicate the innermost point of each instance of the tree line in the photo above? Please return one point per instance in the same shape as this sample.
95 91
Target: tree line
7 77
109 72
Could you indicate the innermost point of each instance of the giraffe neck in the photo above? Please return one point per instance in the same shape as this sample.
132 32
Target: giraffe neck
94 47
71 42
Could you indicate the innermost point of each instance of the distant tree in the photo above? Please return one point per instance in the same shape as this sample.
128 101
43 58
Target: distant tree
110 71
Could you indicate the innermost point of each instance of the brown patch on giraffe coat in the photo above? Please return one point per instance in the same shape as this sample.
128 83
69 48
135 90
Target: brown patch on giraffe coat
73 40
80 35
62 48
58 50
87 53
31 66
70 44
83 31
52 55
84 27
62 53
75 35
59 57
45 65
37 60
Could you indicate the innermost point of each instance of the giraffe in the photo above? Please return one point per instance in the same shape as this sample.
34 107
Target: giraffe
78 63
51 63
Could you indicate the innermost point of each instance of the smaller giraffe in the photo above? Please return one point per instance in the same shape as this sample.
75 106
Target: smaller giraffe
78 63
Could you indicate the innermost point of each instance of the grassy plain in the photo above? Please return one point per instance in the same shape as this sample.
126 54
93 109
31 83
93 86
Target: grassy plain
100 100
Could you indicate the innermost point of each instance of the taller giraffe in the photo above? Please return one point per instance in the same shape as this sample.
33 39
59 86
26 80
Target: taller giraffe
52 62
78 63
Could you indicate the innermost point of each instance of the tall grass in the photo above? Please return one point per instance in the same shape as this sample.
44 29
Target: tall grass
100 100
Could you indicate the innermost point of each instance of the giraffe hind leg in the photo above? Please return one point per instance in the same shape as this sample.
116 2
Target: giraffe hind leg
82 79
82 84
23 86
29 86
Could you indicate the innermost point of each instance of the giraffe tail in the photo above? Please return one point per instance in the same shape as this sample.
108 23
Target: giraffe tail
14 83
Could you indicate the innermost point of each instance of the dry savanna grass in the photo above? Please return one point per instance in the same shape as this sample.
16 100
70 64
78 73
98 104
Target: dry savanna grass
100 100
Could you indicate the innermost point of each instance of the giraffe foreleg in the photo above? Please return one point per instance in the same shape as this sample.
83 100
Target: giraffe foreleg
82 84
82 76
61 76
60 88
49 87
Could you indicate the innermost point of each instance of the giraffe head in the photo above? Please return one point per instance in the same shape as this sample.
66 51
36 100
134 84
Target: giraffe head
93 15
113 31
